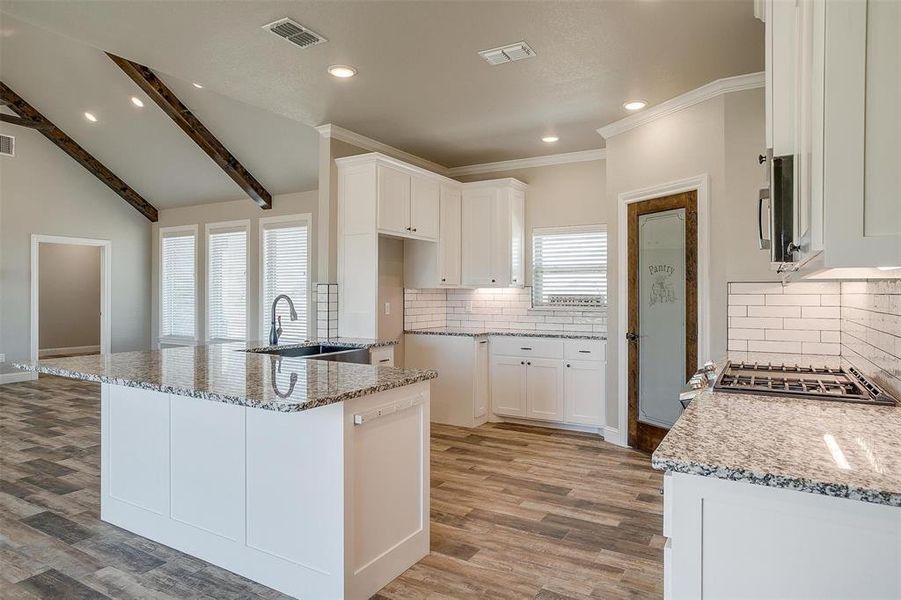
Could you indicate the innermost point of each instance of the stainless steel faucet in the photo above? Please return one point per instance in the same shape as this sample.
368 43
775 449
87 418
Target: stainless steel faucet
275 332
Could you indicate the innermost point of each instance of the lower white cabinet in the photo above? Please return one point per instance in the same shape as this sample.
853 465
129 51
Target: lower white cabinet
508 395
382 356
584 382
531 378
460 393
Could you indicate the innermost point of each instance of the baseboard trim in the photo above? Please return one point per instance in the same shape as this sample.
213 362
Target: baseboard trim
17 377
70 350
549 424
612 435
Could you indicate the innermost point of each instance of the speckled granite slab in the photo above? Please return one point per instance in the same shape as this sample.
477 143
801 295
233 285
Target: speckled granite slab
476 332
227 373
261 346
830 448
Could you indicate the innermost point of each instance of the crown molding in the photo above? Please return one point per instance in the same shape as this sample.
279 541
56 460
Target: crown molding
330 130
710 90
527 163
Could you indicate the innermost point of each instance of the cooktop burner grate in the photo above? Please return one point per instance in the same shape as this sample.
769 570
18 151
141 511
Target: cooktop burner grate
826 383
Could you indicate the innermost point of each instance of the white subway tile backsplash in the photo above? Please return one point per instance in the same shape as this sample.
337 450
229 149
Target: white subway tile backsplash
780 347
792 335
746 299
775 311
755 323
821 348
495 308
821 312
793 300
738 311
818 324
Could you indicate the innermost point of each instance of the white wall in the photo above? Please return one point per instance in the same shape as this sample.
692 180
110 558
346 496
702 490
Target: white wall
44 191
722 138
69 292
200 215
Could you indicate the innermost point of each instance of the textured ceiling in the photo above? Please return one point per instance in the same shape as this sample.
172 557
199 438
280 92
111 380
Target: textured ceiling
421 85
63 78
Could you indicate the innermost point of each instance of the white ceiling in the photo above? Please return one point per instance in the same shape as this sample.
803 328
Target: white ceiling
421 86
63 78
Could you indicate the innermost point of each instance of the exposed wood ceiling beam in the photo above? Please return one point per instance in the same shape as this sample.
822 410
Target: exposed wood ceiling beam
184 118
71 147
14 120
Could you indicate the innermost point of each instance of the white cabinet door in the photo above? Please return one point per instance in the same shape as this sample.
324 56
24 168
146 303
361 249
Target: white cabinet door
781 58
501 245
424 207
517 235
394 201
478 217
584 391
480 383
544 389
449 248
507 386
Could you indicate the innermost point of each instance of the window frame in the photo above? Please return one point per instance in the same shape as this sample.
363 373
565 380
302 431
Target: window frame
178 340
570 229
209 229
264 315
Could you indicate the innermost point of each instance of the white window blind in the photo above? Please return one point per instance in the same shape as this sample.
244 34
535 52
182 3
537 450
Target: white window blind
177 283
569 267
227 282
285 270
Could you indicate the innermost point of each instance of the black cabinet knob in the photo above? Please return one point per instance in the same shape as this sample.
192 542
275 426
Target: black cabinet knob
528 362
522 362
568 365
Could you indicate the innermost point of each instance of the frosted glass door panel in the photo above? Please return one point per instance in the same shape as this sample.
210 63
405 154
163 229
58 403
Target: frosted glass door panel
661 316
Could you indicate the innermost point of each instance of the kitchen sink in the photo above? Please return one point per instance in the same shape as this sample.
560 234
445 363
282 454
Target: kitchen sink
322 352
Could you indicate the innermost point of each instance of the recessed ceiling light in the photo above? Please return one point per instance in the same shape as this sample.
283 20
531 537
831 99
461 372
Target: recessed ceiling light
137 102
635 104
197 85
342 71
90 117
549 139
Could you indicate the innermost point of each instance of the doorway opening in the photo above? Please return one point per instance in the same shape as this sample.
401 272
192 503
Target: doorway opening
70 296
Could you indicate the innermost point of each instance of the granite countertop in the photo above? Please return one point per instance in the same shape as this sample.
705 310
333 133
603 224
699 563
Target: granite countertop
476 332
229 373
830 448
262 346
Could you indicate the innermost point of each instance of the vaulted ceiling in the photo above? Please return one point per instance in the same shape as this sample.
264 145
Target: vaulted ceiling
421 85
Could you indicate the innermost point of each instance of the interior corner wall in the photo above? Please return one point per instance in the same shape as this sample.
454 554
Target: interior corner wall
721 137
558 196
44 191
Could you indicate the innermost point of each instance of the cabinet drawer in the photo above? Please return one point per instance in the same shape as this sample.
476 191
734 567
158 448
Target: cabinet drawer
585 350
383 357
527 346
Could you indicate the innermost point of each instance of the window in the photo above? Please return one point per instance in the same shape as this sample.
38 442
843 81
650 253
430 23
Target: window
226 306
178 252
284 269
569 267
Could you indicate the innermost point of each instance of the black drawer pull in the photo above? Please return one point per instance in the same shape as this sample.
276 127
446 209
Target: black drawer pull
384 360
585 351
524 348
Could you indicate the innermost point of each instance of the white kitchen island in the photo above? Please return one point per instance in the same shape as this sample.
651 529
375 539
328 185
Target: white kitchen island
308 476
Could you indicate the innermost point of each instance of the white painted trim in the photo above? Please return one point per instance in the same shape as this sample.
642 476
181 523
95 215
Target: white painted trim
547 424
44 352
164 232
528 163
700 184
17 377
330 130
105 285
207 230
710 90
261 317
395 163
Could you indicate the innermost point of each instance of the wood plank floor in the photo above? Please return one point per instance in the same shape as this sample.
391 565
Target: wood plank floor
517 512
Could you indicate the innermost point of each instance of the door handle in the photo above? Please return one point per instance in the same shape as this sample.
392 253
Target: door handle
631 337
762 242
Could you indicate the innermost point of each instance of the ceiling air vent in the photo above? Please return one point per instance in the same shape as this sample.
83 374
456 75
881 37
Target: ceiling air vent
295 33
505 54
7 145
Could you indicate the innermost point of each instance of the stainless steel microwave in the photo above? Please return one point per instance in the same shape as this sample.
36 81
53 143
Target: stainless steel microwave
779 235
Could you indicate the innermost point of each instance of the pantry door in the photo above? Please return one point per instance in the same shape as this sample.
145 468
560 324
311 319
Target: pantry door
663 312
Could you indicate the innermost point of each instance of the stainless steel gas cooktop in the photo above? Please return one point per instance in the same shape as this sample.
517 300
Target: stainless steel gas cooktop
823 383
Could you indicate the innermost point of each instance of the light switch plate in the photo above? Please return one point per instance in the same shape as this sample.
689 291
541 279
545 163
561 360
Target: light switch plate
387 308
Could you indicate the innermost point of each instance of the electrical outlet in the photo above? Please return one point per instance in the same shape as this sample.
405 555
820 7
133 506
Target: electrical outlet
469 306
387 308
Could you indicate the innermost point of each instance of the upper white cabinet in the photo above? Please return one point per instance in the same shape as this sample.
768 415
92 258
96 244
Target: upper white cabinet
429 265
407 201
424 207
833 87
393 200
493 233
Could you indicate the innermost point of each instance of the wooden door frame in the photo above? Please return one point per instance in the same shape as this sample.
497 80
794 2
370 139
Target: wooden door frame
645 436
700 184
